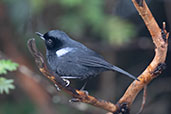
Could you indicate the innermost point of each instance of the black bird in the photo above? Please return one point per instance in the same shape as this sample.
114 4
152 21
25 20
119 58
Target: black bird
72 60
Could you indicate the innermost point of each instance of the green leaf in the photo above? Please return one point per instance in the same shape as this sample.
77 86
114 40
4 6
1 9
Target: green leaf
5 85
7 65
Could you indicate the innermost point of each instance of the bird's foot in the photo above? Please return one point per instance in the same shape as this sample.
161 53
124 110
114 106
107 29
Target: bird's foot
67 82
76 99
86 92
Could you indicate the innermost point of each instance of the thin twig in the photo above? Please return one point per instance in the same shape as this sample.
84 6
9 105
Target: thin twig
144 100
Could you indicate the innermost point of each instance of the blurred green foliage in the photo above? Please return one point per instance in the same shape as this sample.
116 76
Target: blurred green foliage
7 65
6 84
76 17
90 14
18 107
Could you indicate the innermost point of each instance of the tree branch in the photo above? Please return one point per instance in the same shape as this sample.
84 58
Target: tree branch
160 39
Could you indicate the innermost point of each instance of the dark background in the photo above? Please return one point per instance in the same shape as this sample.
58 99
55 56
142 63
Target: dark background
111 27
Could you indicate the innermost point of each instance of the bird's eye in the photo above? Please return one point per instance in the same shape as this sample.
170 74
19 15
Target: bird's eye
49 41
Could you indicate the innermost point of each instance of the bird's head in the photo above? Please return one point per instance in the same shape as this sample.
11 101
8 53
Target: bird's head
54 39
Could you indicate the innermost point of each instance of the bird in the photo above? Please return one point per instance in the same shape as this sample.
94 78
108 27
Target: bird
71 59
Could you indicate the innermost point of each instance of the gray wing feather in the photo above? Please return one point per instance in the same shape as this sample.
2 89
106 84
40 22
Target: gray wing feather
92 61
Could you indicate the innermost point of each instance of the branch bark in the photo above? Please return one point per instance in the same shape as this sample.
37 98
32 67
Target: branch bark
160 40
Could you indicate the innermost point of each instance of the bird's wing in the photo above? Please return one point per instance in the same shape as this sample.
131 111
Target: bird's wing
93 61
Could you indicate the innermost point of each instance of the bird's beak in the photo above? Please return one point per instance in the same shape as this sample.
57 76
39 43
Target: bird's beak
40 35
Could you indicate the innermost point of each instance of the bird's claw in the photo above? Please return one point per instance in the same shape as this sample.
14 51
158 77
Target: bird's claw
67 82
74 100
57 87
86 92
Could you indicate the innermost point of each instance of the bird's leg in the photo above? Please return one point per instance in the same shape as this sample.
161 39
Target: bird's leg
83 88
68 77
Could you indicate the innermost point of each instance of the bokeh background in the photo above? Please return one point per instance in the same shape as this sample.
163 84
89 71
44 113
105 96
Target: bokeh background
113 28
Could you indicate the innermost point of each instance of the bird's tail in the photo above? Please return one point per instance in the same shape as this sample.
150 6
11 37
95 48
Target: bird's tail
115 68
